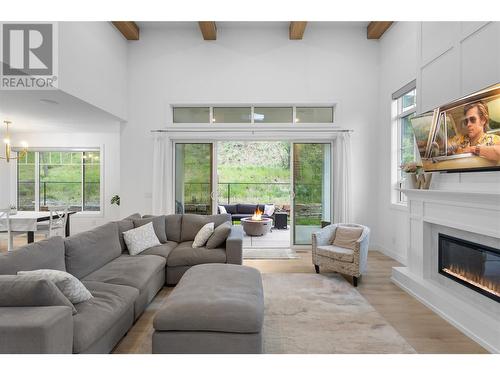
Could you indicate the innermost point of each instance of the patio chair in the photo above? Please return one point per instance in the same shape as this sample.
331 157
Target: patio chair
349 261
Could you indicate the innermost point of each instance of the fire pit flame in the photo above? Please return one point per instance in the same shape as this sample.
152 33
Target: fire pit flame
257 216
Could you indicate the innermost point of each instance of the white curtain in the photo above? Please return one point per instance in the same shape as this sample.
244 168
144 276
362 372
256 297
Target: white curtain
159 190
342 179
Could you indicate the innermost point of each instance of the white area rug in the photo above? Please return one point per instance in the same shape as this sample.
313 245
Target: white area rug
269 253
308 313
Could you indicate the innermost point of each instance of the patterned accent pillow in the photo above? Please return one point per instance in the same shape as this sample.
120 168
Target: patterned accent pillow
140 239
203 235
69 285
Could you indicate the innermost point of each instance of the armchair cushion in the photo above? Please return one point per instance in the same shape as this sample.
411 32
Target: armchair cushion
337 253
347 237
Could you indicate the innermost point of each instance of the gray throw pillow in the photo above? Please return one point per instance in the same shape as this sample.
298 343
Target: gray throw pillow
158 225
69 285
22 291
219 236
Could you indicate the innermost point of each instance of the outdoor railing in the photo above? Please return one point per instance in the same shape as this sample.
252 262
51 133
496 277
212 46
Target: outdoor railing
251 192
60 192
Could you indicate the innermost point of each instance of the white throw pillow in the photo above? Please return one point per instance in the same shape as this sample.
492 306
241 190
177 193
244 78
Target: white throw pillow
222 210
140 239
69 285
269 209
203 235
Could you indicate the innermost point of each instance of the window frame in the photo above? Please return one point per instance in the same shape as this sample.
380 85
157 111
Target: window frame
252 107
398 113
37 150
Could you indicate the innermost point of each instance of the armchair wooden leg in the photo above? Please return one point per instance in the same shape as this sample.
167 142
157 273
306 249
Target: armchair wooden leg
316 268
354 281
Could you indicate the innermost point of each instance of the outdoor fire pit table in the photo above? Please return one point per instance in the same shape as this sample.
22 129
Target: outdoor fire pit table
254 227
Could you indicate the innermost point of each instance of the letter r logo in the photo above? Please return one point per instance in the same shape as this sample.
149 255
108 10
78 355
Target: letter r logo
27 49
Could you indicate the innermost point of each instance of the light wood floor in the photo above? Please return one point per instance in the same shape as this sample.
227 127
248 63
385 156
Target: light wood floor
424 330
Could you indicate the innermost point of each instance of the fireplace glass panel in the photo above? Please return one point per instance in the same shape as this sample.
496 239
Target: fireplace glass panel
473 265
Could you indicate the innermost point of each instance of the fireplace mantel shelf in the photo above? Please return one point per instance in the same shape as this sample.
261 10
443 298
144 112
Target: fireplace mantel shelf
429 193
463 197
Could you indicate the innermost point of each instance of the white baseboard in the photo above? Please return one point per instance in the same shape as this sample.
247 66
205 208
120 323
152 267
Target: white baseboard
390 253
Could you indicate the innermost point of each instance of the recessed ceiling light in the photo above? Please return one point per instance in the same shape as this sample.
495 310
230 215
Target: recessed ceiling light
48 101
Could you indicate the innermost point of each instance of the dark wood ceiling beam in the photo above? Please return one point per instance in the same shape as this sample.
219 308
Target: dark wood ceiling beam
208 30
376 29
129 29
296 30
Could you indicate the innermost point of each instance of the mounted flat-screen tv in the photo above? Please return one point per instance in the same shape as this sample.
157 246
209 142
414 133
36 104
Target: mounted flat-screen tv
461 136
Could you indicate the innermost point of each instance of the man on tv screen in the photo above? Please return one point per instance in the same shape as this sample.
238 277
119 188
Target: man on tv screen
476 140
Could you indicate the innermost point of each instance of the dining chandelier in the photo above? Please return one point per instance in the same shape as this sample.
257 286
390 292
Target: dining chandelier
8 146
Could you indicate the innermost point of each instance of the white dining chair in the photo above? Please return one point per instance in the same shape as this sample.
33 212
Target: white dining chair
57 222
5 226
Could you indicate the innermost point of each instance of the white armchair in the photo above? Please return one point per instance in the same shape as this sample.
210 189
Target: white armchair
339 259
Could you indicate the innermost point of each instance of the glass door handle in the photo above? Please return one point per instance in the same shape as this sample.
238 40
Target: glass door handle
292 194
212 195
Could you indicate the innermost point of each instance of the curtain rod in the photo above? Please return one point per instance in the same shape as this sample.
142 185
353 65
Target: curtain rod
247 131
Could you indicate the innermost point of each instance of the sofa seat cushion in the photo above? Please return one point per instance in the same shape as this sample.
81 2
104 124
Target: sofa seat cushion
185 255
217 298
162 250
338 253
98 315
134 271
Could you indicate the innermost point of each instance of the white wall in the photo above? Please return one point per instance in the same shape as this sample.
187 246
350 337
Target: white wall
398 66
109 142
439 55
250 64
93 64
456 59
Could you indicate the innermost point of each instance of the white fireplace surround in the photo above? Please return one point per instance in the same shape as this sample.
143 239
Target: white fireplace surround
473 216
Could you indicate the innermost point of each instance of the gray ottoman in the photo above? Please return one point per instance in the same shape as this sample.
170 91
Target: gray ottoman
215 308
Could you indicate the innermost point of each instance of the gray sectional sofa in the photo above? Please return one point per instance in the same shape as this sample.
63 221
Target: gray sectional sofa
33 317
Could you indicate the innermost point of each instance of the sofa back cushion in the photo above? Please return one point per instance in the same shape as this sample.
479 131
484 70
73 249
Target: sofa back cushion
231 208
191 224
158 225
123 226
173 225
88 251
246 208
48 254
219 219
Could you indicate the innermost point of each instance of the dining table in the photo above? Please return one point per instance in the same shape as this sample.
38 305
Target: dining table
27 221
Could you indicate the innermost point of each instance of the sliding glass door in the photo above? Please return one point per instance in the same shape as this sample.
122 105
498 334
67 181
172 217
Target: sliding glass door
312 192
194 178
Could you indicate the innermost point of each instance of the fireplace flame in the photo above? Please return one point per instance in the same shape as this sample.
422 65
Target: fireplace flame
474 279
257 215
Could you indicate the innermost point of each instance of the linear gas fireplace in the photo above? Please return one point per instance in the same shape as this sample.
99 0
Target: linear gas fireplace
473 265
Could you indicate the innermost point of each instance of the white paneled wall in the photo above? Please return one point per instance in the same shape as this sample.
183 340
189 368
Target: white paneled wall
456 59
